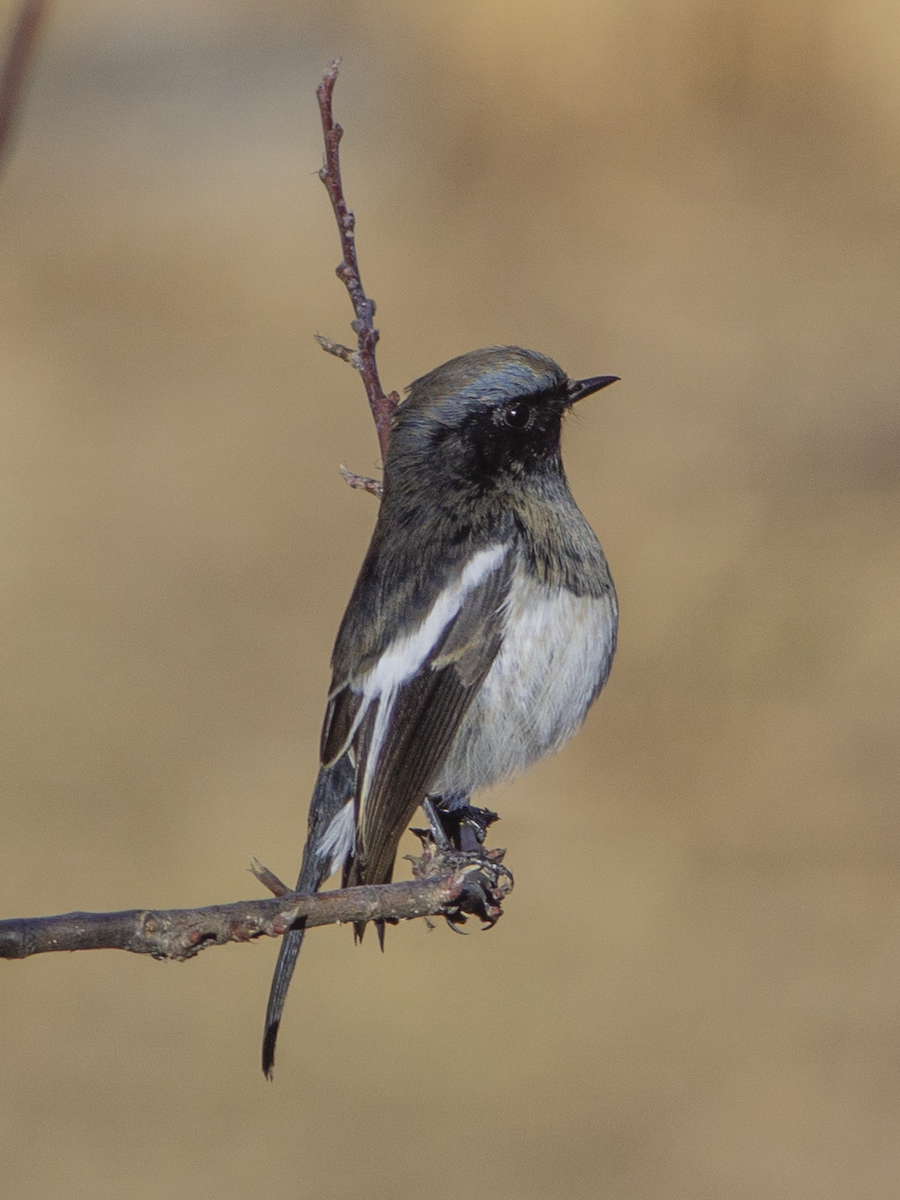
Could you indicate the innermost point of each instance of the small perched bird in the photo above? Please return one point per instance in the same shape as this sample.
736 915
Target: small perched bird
480 630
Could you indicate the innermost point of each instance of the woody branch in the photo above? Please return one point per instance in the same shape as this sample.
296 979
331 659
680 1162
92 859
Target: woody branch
442 885
363 325
16 63
181 933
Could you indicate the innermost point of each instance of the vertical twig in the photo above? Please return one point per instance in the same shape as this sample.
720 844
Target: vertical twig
14 72
363 326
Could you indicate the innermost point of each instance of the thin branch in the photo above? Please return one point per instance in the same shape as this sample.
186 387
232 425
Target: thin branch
446 882
19 55
268 878
365 484
363 326
339 351
444 887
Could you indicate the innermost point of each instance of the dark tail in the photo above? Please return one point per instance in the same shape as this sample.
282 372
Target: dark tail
287 960
334 787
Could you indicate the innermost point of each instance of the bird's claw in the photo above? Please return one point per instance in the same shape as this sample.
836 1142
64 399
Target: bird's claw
454 841
486 883
486 886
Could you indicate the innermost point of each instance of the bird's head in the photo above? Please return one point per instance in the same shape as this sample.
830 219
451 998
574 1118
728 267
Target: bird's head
485 417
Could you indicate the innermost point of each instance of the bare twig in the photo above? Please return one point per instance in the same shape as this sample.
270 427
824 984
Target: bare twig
19 55
442 888
446 883
339 351
363 326
373 486
268 878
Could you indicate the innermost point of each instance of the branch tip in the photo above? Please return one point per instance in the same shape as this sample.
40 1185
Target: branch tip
338 350
373 486
268 878
348 270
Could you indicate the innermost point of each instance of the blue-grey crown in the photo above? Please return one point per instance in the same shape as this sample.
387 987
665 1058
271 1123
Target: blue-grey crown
488 376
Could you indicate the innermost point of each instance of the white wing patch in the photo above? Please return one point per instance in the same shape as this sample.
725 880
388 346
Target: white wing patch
403 658
400 662
340 837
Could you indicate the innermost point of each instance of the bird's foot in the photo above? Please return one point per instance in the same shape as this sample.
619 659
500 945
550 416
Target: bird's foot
487 885
454 841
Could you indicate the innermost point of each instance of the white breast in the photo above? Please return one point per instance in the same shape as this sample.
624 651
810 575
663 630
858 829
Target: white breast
556 652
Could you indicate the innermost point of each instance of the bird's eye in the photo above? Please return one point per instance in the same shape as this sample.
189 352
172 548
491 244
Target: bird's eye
517 415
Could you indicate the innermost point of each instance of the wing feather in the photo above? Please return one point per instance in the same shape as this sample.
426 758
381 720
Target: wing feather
419 721
340 723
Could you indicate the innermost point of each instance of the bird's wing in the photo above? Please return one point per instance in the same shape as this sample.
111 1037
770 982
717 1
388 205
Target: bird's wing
400 719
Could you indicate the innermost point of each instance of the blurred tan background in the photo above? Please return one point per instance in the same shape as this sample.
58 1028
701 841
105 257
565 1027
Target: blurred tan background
695 993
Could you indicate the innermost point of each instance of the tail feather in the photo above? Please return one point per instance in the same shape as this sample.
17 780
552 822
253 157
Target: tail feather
287 960
334 787
356 875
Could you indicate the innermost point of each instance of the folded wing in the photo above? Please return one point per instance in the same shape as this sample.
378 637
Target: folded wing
399 720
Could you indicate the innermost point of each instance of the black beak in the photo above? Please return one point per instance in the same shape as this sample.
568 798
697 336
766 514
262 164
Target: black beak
579 388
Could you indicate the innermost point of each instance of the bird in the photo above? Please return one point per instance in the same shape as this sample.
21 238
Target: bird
481 628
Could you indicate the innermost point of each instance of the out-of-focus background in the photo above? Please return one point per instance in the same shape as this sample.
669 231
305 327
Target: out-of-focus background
695 992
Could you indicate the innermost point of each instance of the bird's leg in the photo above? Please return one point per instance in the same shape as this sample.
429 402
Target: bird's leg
465 826
436 827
